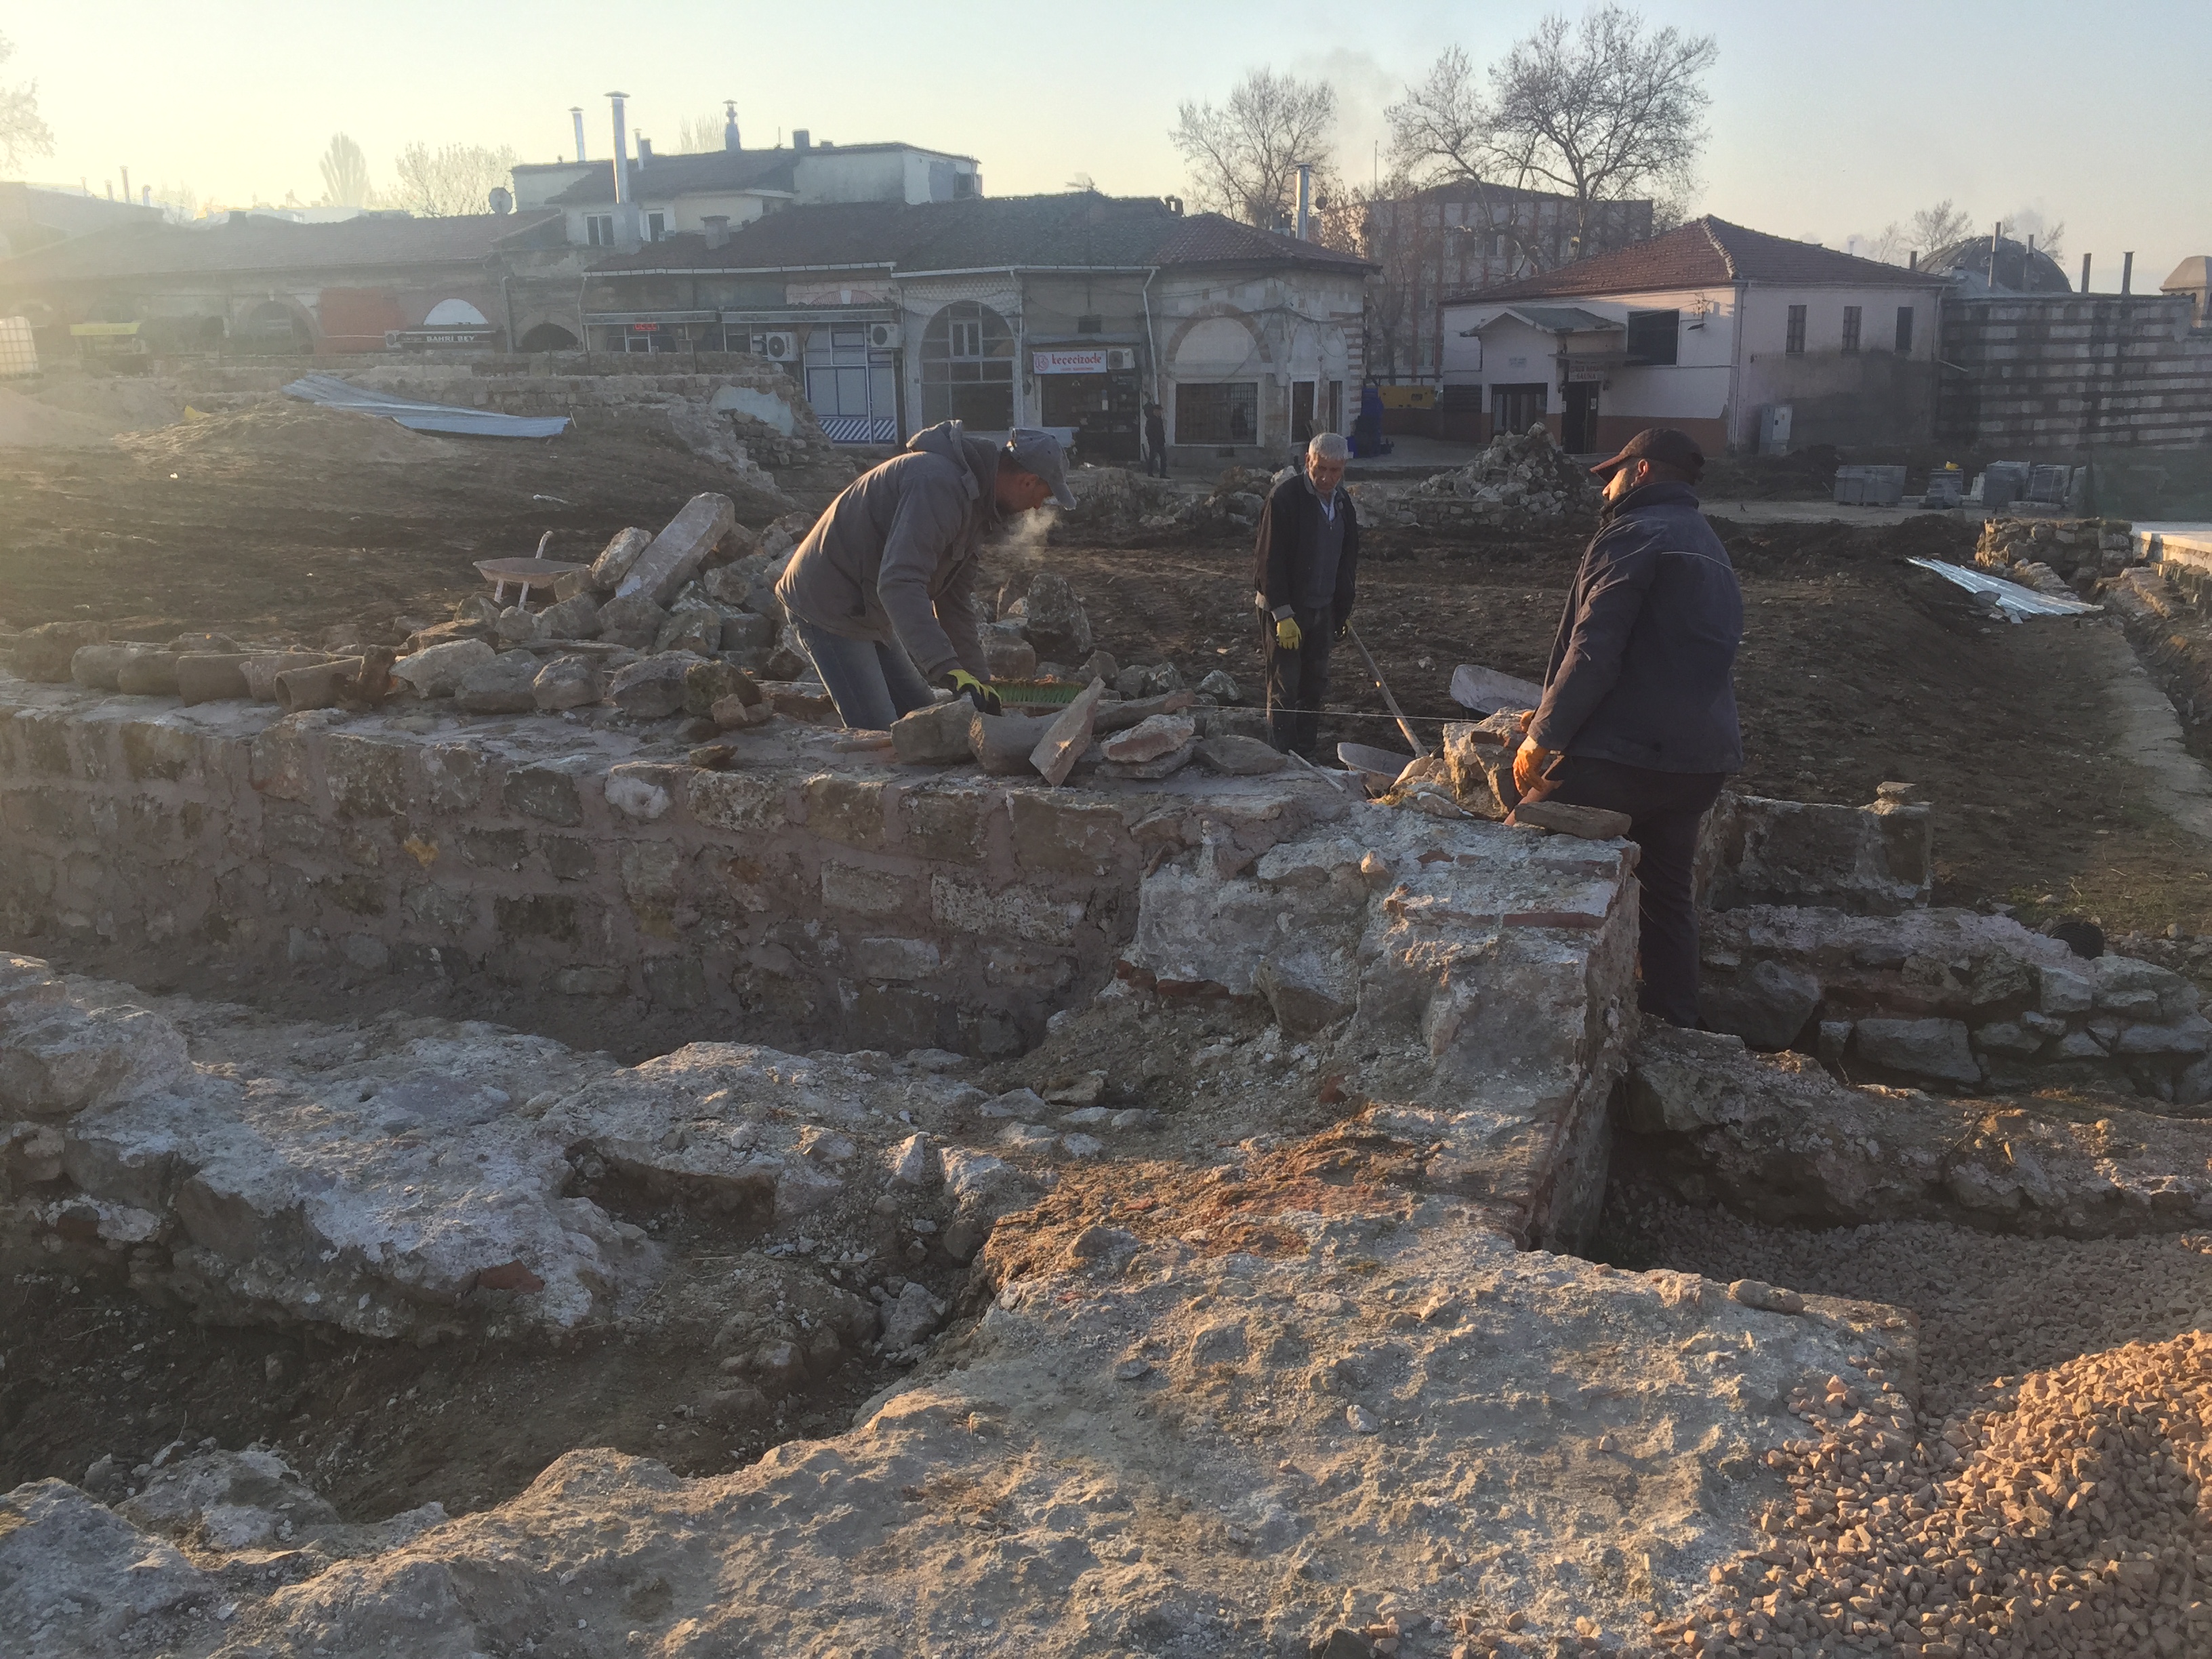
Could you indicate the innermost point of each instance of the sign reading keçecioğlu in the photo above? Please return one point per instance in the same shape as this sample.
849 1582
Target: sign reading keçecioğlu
1087 361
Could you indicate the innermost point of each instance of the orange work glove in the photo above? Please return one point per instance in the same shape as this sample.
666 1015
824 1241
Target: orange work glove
1529 762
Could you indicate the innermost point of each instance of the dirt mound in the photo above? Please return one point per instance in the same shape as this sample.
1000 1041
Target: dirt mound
29 423
128 402
291 431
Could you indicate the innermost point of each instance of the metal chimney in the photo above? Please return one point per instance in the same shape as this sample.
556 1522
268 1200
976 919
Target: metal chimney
718 229
621 151
1305 201
576 114
126 184
801 138
730 127
2127 273
2085 273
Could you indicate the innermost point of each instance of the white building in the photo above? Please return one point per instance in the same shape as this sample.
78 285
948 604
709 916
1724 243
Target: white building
1713 328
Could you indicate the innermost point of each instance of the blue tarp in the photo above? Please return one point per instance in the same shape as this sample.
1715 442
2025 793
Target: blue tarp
334 393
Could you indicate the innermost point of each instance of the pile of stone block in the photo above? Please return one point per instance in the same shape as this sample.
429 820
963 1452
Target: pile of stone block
2063 556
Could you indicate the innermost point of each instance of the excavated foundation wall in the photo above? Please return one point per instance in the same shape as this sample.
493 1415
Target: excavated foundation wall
635 902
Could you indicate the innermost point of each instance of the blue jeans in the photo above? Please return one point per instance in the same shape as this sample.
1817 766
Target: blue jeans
871 683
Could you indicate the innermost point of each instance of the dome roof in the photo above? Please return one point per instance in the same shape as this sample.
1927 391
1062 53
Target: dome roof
2017 271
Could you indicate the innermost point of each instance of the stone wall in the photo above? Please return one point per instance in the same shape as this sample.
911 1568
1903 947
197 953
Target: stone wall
544 866
1876 860
2046 375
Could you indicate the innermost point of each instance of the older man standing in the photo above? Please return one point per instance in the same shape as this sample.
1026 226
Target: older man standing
1305 568
1639 713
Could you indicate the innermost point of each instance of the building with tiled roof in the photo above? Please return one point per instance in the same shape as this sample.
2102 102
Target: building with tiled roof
1738 337
1066 310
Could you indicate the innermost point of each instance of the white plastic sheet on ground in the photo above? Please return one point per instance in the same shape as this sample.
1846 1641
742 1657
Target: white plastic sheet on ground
2015 601
333 393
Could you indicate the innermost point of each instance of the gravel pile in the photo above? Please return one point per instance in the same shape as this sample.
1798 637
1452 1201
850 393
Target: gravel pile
2044 1501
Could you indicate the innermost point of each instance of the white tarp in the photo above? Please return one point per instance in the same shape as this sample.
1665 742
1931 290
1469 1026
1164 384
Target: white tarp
334 393
2014 600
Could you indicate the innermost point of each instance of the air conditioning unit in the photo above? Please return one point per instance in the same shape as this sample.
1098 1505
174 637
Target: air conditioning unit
1121 357
885 337
782 348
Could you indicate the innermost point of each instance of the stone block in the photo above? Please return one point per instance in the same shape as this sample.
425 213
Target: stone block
864 889
2062 990
742 631
547 792
705 683
733 712
1936 1049
1239 757
679 550
846 810
589 982
1585 822
2189 1036
651 872
1060 832
576 618
453 776
516 626
567 683
1160 766
279 763
1149 739
935 736
738 801
505 685
45 740
1002 744
1068 736
151 749
653 688
1023 912
697 628
944 824
43 653
895 1017
674 981
538 916
641 789
1054 620
1008 656
367 778
618 557
635 621
894 958
446 910
439 671
1767 1005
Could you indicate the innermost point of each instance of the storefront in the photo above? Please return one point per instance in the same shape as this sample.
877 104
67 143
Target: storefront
1091 395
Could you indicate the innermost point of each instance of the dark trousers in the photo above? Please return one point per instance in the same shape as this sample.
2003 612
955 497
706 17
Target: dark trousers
1664 810
1155 460
1298 681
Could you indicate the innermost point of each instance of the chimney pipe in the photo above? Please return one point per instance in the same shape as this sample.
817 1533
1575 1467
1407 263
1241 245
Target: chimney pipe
146 195
126 184
730 141
622 152
576 114
718 229
801 138
2127 273
1305 201
2085 273
644 149
1913 260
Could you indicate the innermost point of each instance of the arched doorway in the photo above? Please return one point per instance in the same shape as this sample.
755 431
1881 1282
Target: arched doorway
273 325
967 368
548 336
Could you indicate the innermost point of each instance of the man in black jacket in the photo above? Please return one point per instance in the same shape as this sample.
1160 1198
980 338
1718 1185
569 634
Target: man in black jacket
1639 702
1305 566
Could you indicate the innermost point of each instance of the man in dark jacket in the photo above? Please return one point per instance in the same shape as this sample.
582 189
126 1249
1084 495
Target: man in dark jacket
1305 566
1156 442
1639 713
881 592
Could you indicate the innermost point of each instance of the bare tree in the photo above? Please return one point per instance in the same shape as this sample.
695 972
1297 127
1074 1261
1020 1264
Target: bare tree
1244 156
23 134
1602 110
179 204
698 134
1940 226
457 179
345 175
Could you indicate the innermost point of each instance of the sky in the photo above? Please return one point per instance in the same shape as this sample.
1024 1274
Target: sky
1825 123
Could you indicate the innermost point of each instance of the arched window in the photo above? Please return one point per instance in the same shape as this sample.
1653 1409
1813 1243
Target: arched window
967 368
454 314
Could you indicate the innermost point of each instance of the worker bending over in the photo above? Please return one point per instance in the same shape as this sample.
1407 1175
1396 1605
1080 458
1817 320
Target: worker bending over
1639 713
1305 566
882 592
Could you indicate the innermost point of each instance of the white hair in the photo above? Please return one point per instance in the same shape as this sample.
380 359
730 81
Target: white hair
1329 447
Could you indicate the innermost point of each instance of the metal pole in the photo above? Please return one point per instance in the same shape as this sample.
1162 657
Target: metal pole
2085 273
2127 273
1382 685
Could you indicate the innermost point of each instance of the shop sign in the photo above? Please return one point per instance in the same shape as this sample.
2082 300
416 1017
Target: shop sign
1091 360
1579 372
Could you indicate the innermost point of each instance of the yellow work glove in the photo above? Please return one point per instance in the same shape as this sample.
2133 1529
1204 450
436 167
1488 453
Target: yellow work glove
965 684
1289 637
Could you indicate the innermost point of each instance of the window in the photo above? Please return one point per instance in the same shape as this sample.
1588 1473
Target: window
656 227
599 230
967 368
1090 325
1905 331
1850 328
1517 407
1224 412
845 376
1795 341
1652 336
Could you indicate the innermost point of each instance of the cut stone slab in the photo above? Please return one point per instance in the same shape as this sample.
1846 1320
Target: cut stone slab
935 736
1933 1048
679 550
1007 655
438 671
75 1578
705 683
1767 1007
567 683
1001 744
1588 823
616 559
576 618
632 620
1121 716
1160 766
1149 739
1241 758
744 631
694 628
652 688
1067 737
505 685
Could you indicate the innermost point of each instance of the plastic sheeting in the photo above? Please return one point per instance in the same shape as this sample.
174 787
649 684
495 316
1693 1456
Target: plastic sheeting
2015 601
333 393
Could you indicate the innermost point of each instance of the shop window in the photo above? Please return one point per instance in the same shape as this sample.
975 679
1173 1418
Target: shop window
1905 331
1224 412
1653 336
967 368
1851 328
1794 340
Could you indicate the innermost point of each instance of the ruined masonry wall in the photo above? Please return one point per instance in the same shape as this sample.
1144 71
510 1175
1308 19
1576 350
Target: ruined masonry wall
805 905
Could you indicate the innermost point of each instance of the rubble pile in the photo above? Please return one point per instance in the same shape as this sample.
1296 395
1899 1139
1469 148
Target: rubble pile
1113 501
1521 478
2064 557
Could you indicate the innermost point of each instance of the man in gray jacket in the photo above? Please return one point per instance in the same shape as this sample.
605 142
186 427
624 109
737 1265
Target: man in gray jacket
882 592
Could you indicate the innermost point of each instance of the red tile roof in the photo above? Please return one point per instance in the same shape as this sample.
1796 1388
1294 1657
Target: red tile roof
1704 253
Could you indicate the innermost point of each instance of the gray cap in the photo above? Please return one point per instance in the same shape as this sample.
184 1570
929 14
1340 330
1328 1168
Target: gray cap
1040 452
